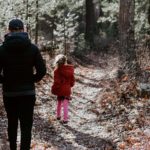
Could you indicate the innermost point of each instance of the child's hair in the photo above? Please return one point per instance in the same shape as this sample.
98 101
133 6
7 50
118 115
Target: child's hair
60 60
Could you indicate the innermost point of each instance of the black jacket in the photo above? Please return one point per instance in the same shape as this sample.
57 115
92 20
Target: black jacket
21 65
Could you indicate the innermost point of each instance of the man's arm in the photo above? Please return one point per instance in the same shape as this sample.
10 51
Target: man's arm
1 68
1 76
39 66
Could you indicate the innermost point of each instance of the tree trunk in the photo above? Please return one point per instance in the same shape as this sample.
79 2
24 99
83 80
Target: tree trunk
91 24
27 15
149 13
127 41
37 22
65 49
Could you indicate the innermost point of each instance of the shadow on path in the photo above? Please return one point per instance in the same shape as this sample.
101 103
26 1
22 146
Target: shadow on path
50 134
96 85
91 142
82 76
44 130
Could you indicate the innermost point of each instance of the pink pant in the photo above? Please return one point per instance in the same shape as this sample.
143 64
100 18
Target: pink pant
62 103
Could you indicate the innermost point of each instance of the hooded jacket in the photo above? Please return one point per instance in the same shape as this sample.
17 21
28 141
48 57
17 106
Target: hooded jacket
18 58
63 80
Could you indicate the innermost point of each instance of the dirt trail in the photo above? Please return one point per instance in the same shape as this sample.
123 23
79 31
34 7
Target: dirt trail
84 131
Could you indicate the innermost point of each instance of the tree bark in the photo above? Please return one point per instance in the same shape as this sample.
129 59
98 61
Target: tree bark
149 13
27 15
127 40
126 26
37 22
91 24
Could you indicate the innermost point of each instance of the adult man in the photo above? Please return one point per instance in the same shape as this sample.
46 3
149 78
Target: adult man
19 59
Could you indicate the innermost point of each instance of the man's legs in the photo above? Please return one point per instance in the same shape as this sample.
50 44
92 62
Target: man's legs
11 107
26 120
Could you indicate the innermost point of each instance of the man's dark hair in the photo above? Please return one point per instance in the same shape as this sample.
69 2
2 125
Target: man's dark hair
16 24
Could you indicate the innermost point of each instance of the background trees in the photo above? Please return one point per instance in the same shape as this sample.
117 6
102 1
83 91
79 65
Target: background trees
89 25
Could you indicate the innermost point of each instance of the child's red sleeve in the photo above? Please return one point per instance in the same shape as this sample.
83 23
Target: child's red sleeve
72 80
55 87
56 77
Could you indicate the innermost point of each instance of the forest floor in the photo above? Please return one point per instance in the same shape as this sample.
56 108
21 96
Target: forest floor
98 118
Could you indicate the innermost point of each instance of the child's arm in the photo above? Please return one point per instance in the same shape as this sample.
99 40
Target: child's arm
56 85
56 77
72 80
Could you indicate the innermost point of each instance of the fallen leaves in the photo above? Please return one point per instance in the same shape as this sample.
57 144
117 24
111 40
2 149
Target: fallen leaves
132 140
52 119
122 145
128 126
39 146
127 109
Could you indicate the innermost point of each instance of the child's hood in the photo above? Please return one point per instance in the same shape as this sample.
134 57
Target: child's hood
67 70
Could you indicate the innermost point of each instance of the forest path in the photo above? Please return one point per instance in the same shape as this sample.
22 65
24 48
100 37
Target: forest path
83 132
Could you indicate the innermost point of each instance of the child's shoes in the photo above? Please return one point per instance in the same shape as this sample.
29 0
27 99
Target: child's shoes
58 118
64 122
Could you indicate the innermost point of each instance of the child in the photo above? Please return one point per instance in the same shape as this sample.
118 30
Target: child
63 81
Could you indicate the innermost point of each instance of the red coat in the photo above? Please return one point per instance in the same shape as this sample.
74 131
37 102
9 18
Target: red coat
63 80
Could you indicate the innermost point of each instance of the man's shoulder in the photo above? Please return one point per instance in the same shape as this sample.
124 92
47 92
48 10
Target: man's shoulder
34 48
